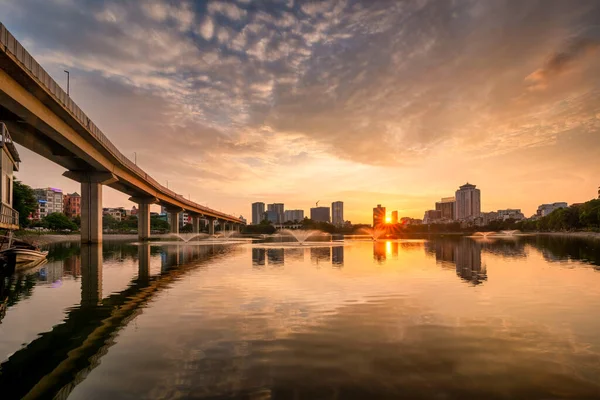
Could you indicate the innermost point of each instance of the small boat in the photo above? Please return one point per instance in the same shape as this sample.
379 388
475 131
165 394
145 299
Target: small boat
27 255
23 252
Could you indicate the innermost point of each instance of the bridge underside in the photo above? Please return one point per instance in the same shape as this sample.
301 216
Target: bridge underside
39 122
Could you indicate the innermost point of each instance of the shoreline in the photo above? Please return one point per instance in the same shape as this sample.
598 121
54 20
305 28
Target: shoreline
45 239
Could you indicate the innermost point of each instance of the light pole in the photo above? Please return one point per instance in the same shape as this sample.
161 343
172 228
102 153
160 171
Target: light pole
68 80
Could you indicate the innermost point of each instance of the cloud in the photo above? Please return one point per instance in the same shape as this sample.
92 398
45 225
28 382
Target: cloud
248 89
561 62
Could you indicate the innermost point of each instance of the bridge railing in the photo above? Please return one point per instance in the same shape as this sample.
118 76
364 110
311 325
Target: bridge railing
12 45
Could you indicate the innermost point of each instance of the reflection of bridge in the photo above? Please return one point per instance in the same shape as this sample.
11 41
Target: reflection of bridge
41 117
58 360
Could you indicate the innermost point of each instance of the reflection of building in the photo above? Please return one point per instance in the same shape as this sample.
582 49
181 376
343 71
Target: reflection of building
72 265
293 215
468 262
277 208
320 214
447 208
394 217
294 254
72 205
258 212
275 256
258 256
463 255
337 255
379 250
468 202
378 216
395 247
320 254
337 213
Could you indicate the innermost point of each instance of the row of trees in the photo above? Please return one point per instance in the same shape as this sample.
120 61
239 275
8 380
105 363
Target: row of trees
585 216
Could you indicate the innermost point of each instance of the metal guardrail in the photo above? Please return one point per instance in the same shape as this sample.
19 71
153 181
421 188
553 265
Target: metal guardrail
8 215
11 44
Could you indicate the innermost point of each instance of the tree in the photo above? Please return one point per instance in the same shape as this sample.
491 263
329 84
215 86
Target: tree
187 228
59 222
24 201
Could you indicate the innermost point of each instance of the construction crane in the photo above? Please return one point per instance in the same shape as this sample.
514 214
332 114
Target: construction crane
317 204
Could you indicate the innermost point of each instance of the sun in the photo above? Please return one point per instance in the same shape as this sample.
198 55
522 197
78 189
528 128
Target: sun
388 219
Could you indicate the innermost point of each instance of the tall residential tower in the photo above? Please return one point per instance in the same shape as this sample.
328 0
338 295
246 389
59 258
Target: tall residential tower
258 212
468 202
337 213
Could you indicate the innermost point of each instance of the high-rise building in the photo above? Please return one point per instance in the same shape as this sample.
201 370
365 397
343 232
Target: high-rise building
448 208
337 213
432 216
72 205
50 200
272 216
320 214
378 216
293 215
394 217
468 202
258 212
278 209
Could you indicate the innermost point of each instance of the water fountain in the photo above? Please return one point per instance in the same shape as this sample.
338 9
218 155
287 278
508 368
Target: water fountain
484 234
226 234
374 233
187 237
301 235
510 233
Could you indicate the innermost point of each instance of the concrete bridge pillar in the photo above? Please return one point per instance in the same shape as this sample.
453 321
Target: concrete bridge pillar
195 223
91 202
143 215
91 274
174 219
211 227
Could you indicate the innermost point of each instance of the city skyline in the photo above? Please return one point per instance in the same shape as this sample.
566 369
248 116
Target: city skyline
242 103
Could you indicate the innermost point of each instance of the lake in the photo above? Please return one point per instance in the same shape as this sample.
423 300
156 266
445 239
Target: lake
443 318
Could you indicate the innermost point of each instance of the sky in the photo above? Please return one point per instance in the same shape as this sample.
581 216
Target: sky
368 102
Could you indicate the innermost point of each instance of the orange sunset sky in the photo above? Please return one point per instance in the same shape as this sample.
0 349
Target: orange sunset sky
366 102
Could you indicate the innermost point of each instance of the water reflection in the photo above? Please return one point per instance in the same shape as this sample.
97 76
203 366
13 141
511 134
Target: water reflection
319 255
309 332
64 355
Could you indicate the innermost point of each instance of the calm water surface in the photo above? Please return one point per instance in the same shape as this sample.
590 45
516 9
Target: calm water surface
440 318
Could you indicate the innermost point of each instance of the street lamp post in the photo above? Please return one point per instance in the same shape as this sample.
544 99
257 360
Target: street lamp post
68 80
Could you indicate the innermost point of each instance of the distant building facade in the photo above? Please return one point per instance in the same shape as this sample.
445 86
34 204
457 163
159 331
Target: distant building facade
337 213
272 216
258 212
447 207
9 163
468 202
320 214
394 217
117 213
50 200
432 216
278 208
545 209
511 213
378 216
72 205
293 215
